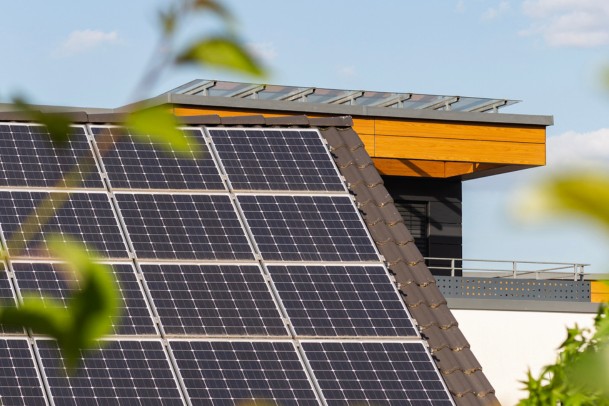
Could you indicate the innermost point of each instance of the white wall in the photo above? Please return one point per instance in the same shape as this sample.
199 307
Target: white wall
507 343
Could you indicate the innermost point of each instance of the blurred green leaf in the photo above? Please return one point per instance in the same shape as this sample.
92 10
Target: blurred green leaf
215 7
162 126
89 312
582 193
94 306
57 124
43 316
222 52
168 19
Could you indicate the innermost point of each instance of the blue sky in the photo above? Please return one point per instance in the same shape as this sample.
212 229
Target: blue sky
548 53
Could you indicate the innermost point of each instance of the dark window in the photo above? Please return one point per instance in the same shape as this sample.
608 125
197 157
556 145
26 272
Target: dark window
416 219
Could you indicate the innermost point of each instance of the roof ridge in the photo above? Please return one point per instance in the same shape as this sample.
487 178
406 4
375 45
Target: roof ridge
451 351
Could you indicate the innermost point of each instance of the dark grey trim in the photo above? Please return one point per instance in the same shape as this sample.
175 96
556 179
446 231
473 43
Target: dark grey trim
307 108
361 111
521 305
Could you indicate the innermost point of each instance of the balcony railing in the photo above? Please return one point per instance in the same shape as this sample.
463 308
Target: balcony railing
484 268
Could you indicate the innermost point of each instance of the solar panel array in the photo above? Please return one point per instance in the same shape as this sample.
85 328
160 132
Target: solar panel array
246 273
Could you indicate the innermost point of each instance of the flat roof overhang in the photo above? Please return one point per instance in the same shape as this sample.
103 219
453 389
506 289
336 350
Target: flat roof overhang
407 142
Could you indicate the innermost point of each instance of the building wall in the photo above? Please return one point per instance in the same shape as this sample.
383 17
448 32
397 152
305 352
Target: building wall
508 343
443 197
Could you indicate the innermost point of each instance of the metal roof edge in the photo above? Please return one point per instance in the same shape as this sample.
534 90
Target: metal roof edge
363 111
522 305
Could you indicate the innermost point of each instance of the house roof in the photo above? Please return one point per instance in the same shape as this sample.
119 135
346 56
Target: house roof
459 368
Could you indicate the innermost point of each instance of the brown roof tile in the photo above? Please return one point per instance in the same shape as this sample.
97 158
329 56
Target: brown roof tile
461 370
211 119
243 120
288 121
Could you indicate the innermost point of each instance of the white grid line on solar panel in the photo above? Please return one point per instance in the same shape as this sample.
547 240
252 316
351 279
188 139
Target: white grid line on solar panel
86 217
307 228
324 300
378 373
276 159
184 226
197 299
29 158
53 281
7 299
122 372
232 372
20 383
141 162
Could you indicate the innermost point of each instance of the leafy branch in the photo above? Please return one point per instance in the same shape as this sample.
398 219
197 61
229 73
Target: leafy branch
92 306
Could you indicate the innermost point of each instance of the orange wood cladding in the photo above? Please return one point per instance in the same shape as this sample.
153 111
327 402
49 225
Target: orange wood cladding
432 148
599 291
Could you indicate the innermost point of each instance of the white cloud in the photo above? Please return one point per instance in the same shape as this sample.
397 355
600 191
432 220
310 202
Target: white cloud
84 40
263 50
494 12
569 23
460 6
347 71
581 149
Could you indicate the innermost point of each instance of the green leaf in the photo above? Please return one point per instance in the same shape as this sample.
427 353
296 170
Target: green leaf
57 124
161 126
94 305
89 313
222 52
168 20
42 316
578 193
215 7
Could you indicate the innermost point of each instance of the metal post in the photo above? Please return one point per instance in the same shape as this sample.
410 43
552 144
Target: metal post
514 269
452 267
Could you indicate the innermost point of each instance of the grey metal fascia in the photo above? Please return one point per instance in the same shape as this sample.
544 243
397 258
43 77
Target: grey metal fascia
341 109
521 305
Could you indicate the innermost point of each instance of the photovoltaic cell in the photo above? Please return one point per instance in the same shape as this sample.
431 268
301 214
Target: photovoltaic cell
184 226
341 301
307 228
376 373
7 299
141 162
213 299
29 158
228 373
19 380
51 281
121 373
86 217
276 159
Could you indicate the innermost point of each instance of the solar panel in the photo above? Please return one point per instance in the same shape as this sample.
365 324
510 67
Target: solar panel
28 158
180 226
19 380
213 300
87 217
143 163
276 159
121 373
7 298
341 301
376 373
48 280
231 372
307 228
